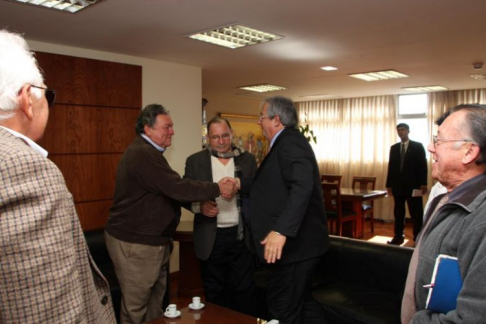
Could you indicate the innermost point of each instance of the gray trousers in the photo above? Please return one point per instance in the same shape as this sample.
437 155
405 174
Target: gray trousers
142 274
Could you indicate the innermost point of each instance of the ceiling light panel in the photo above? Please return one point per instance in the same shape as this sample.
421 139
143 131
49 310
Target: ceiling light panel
263 88
379 75
71 6
426 88
234 36
481 76
329 68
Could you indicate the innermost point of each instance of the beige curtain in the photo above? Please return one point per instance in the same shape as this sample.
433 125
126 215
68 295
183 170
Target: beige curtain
353 139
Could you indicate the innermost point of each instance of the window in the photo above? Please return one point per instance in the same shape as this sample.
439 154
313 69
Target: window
412 110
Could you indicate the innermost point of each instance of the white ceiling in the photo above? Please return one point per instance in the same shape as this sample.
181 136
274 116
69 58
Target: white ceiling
433 41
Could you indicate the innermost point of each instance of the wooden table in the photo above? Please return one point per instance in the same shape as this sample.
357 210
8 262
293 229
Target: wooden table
210 314
354 198
190 282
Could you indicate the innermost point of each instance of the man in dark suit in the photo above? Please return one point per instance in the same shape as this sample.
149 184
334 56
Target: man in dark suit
287 215
407 182
227 265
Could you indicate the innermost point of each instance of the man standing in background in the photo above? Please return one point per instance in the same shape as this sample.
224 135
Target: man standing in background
145 214
406 182
227 265
46 272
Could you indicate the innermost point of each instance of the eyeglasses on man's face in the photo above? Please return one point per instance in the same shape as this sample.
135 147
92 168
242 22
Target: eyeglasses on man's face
262 116
436 140
225 137
50 95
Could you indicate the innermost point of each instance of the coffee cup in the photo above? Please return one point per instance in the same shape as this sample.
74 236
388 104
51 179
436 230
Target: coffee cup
171 310
196 302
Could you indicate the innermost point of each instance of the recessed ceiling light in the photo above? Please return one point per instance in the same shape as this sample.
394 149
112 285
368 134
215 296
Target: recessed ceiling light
234 36
481 76
329 68
71 6
426 88
263 88
379 75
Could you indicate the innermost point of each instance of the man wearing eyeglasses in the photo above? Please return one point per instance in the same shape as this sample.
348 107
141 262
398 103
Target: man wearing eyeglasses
455 222
288 221
46 272
220 229
406 182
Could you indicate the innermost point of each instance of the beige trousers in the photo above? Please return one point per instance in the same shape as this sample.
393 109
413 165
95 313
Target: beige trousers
142 274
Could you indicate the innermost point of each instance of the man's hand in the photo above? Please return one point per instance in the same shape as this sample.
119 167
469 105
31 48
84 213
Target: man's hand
389 192
209 208
274 244
227 187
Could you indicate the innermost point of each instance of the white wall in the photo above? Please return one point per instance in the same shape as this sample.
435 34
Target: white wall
177 87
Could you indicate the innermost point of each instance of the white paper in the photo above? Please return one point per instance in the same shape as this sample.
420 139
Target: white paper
417 193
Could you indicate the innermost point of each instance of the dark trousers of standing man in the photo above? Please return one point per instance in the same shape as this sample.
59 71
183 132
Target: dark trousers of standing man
289 293
416 210
228 273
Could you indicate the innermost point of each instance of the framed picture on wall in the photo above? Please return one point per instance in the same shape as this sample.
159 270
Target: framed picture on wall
248 134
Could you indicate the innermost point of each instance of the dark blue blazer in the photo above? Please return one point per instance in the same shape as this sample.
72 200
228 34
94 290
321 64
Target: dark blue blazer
286 196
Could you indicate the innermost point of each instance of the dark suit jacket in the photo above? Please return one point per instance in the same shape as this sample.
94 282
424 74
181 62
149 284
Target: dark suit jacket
198 167
414 173
286 196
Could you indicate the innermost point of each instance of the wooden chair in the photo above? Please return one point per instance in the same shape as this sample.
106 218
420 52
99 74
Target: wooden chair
335 214
331 178
366 184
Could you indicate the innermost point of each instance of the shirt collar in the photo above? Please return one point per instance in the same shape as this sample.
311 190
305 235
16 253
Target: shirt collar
275 137
158 147
27 140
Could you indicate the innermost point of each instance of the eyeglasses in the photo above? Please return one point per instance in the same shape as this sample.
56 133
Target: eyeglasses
225 137
262 116
50 95
436 140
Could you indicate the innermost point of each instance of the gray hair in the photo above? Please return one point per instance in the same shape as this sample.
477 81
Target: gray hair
474 126
18 67
285 108
148 116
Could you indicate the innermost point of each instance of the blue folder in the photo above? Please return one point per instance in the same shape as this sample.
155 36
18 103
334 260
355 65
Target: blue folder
445 285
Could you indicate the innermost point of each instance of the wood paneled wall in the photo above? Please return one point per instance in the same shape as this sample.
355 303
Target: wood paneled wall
91 124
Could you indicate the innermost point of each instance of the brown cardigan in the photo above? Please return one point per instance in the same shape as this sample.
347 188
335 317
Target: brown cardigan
146 208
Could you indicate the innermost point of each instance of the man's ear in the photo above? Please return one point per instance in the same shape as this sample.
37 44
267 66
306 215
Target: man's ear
25 101
276 118
471 154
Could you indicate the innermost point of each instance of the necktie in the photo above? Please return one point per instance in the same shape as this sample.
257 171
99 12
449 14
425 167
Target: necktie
402 157
408 302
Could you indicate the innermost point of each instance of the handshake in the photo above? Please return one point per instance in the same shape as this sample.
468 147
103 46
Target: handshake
228 187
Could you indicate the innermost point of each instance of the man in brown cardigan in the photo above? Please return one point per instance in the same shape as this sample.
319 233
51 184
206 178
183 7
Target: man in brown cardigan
146 212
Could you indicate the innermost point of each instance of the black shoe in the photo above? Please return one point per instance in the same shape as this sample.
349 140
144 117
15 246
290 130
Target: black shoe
396 241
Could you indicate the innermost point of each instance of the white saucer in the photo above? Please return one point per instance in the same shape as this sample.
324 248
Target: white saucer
177 314
194 308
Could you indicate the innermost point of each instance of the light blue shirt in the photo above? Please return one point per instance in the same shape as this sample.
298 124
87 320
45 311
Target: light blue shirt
275 137
158 147
29 142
